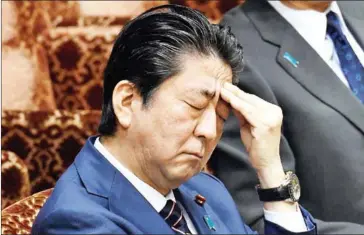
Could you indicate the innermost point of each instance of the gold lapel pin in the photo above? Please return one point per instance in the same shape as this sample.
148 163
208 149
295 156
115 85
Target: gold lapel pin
200 199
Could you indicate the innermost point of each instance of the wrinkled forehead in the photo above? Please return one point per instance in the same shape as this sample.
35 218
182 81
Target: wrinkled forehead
204 74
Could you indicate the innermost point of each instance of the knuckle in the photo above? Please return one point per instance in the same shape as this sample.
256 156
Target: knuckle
272 128
278 112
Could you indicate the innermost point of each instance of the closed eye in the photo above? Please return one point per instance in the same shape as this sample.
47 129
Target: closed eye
194 107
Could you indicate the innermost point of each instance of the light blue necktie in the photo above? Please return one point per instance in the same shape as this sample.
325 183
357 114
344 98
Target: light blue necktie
349 62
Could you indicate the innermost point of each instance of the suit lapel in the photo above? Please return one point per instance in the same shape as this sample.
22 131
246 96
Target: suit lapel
312 72
102 179
198 212
128 203
261 14
318 78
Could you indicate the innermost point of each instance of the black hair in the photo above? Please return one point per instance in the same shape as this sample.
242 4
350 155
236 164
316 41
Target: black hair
148 50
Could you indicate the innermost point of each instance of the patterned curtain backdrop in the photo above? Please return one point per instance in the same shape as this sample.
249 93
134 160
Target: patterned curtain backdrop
14 179
213 9
77 58
35 17
32 18
26 83
47 142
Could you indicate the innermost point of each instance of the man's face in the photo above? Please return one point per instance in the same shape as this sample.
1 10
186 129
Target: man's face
178 130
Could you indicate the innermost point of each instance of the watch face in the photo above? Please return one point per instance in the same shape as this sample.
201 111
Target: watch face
295 189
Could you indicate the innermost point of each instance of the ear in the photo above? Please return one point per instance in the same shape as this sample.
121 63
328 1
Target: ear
123 95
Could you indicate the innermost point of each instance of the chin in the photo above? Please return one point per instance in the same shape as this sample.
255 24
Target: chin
183 176
180 172
187 175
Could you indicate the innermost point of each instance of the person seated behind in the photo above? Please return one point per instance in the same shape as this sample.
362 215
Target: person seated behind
167 92
307 57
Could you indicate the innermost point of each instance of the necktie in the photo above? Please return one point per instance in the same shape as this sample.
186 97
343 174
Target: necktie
349 62
172 214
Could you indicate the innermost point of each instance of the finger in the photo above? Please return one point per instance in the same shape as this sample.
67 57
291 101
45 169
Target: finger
263 107
250 98
249 112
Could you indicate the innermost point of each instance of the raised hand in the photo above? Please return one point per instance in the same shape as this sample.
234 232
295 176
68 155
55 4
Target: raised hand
260 129
260 125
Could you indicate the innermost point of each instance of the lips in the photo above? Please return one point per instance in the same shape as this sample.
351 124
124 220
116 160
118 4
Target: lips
196 154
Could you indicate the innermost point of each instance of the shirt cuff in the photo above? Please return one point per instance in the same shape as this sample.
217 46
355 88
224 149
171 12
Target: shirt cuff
291 221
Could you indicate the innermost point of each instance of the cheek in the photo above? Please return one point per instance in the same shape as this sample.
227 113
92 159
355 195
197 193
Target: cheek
168 129
176 122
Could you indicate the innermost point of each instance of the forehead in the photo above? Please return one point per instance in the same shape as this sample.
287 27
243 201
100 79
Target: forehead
204 72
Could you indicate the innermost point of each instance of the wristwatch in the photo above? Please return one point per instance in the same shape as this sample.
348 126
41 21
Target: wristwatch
289 190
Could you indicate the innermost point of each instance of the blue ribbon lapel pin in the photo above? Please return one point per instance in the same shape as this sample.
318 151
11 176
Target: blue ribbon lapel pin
291 59
209 222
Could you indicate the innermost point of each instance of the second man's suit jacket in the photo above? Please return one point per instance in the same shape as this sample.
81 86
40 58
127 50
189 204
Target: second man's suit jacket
323 125
93 197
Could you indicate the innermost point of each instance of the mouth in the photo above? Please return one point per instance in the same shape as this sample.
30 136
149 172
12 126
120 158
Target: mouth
197 155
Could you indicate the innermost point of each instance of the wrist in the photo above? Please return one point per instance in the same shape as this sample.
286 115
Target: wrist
271 176
282 206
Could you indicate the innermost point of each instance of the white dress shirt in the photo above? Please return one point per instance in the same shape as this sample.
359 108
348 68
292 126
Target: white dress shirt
292 221
311 25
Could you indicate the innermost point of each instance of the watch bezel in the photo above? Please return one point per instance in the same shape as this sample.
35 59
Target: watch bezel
289 190
294 187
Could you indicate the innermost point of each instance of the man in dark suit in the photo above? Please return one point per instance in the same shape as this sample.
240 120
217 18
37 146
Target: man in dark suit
167 90
307 57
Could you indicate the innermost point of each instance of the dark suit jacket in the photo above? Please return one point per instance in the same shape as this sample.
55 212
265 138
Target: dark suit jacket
323 126
93 197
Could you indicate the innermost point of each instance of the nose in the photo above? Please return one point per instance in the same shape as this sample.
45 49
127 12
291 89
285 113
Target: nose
206 126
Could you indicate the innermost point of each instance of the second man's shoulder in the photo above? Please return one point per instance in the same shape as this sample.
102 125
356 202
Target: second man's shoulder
234 16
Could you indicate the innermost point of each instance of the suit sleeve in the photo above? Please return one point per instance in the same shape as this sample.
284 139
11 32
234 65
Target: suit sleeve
71 222
271 228
231 165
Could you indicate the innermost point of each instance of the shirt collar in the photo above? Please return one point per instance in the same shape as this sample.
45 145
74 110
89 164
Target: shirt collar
156 199
310 24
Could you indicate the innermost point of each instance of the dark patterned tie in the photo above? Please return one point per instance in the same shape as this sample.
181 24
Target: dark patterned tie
172 214
349 62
